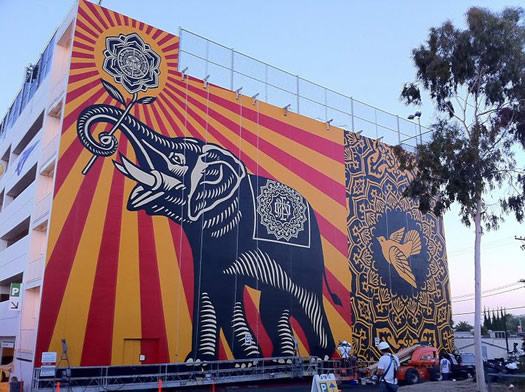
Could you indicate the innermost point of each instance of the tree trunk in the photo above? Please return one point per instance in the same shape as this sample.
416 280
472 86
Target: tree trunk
480 373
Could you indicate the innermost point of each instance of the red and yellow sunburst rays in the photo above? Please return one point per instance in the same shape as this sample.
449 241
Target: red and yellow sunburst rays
114 276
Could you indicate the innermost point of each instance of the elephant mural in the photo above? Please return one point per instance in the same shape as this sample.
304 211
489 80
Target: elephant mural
244 230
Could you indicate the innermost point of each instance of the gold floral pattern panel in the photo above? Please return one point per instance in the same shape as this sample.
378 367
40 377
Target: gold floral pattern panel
397 256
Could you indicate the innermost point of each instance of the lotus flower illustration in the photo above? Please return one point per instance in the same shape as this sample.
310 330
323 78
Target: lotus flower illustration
131 62
134 65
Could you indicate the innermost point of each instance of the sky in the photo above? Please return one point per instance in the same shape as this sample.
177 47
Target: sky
359 48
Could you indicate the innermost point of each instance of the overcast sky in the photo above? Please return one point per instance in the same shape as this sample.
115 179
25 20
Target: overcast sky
359 48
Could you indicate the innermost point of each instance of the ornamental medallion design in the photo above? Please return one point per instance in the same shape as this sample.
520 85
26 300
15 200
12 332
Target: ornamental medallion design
282 211
400 285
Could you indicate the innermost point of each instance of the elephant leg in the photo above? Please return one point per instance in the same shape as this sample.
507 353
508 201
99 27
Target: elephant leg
275 317
205 333
238 333
309 312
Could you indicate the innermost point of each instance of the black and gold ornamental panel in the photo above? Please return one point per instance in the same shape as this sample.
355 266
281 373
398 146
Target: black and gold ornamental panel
400 284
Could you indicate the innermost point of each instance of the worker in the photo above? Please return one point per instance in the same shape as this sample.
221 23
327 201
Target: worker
444 366
344 349
387 368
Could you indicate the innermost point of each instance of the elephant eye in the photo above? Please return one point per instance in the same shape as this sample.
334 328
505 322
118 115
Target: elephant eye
177 158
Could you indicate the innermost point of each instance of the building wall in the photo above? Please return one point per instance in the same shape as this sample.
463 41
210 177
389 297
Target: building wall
215 226
237 249
400 286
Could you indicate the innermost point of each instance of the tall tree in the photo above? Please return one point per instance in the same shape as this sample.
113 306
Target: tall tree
463 326
475 78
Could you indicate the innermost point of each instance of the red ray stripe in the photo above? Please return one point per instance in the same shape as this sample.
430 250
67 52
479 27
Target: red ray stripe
148 30
72 95
81 55
141 26
60 262
80 35
156 34
344 295
165 39
248 161
95 11
172 57
117 17
78 77
168 114
173 64
190 128
133 23
99 329
108 15
163 130
153 326
175 47
73 116
253 316
80 45
300 334
185 259
85 28
335 236
126 20
332 188
90 20
83 65
70 156
329 231
331 149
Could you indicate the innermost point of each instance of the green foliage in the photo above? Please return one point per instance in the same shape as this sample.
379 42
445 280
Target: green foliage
463 326
476 79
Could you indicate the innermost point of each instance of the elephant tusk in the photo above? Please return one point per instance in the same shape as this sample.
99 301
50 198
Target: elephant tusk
135 173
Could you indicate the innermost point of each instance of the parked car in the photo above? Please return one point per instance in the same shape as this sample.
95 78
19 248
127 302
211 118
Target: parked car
457 372
467 362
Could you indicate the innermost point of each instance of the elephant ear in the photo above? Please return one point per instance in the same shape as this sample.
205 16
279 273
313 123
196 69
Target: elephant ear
214 179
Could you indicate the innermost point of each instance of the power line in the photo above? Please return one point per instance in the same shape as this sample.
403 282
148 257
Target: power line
463 314
489 295
490 290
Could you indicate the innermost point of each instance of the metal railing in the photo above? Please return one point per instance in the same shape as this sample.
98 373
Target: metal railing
144 377
228 68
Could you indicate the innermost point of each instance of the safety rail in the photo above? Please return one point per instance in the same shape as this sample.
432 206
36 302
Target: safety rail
176 375
228 68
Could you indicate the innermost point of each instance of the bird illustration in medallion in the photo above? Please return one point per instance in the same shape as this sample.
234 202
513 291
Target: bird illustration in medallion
397 251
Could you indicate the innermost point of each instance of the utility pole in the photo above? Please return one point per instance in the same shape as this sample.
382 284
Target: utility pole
520 239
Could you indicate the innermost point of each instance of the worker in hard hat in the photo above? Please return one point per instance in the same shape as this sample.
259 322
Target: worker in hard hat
387 368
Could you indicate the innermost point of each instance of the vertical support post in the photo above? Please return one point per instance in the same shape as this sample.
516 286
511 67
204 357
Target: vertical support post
266 83
352 109
180 49
231 73
58 386
325 106
206 73
398 131
297 79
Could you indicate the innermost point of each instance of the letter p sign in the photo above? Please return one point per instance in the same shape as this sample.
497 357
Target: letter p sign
15 290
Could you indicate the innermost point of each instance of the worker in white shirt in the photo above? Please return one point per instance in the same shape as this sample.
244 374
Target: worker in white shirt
444 365
387 368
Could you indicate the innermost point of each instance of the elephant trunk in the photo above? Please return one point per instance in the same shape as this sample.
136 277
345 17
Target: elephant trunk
136 132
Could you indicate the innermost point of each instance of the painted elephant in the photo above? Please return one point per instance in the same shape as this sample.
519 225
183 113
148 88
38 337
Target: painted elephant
244 230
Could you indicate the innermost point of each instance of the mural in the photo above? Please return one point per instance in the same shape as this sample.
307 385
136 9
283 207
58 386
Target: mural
188 223
400 287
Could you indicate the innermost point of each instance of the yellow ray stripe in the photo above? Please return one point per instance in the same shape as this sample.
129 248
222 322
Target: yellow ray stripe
304 123
169 282
321 202
336 263
341 328
95 17
127 320
77 296
227 349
